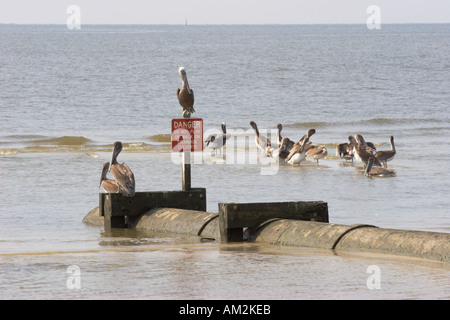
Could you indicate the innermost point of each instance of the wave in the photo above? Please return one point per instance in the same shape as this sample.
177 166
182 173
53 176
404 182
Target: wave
64 141
363 122
316 124
161 138
8 152
16 144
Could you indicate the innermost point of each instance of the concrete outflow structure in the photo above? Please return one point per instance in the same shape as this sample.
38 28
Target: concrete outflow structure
291 232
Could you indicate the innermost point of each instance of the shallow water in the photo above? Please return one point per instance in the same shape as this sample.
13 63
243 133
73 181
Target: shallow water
67 96
179 269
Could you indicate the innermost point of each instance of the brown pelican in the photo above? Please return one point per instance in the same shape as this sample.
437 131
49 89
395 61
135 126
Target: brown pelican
290 143
108 185
386 155
317 152
297 153
263 144
362 151
369 145
345 150
307 136
185 95
122 173
217 141
382 172
281 151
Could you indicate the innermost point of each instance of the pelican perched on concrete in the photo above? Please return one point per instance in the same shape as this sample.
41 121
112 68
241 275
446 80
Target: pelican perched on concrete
381 172
108 185
362 151
263 143
217 141
185 95
298 152
317 152
122 173
386 155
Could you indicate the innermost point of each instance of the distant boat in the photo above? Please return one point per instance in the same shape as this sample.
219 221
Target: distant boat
185 22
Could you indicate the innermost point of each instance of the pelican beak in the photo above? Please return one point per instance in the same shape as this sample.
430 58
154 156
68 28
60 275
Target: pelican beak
112 157
116 148
104 171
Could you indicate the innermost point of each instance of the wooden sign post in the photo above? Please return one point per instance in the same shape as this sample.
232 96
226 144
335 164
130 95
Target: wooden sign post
187 137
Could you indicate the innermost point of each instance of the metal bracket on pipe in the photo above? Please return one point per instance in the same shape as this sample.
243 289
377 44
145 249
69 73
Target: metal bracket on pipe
234 217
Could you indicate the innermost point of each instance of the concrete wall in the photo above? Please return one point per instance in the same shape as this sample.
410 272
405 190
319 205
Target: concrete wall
356 238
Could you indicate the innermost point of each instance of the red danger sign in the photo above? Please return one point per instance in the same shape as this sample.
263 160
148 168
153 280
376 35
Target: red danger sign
187 135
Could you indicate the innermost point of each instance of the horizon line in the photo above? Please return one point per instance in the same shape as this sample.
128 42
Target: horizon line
217 24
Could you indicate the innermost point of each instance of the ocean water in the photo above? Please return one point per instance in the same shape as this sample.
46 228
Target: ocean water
67 95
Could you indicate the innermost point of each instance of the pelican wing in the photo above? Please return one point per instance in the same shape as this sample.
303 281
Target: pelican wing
314 151
210 139
124 178
191 102
186 99
385 155
110 186
293 151
130 179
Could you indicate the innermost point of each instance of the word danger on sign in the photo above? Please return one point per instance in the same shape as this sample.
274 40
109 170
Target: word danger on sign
187 135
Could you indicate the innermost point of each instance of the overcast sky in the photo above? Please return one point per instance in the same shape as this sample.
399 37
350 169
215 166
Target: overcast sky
224 11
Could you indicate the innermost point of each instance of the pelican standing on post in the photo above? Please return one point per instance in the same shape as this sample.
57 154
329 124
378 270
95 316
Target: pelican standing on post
185 95
108 185
122 173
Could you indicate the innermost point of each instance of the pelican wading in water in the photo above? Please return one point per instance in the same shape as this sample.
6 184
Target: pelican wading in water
298 152
386 155
108 185
217 141
281 152
122 173
185 95
263 144
317 152
289 144
345 150
380 172
362 151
